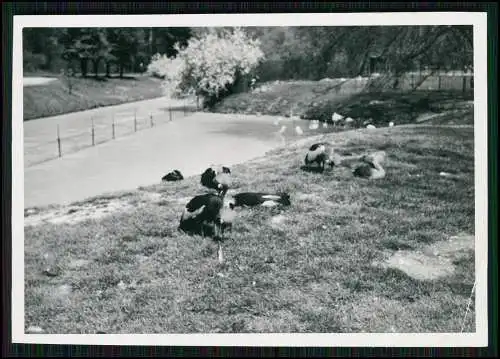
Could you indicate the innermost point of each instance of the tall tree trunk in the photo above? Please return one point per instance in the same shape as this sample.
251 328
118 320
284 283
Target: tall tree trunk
83 67
108 69
121 70
48 61
96 67
150 41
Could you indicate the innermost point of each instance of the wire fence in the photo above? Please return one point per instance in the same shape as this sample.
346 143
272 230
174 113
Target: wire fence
98 130
410 81
425 80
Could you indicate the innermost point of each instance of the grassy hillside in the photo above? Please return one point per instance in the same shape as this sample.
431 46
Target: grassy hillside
311 267
318 100
54 99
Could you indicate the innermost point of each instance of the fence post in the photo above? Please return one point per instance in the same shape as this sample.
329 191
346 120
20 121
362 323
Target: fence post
113 125
135 120
93 132
151 118
59 142
170 114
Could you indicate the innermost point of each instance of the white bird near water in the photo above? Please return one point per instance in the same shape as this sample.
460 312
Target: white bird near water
349 120
336 117
313 125
298 130
325 125
371 127
282 129
391 124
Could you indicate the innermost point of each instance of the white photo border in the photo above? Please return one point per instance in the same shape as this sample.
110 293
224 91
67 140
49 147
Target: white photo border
479 22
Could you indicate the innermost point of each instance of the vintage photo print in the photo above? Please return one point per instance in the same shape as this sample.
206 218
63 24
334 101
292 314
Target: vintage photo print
250 179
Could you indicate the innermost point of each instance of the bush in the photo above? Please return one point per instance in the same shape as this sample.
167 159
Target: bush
33 62
158 65
212 66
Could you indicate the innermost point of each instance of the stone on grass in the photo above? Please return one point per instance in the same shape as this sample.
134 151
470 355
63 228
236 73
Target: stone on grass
277 221
269 259
421 266
34 330
434 261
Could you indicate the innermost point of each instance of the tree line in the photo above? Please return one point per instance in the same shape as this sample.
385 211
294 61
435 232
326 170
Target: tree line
87 50
311 52
349 51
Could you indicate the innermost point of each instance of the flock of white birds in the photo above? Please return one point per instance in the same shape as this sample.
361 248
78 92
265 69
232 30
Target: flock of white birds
336 120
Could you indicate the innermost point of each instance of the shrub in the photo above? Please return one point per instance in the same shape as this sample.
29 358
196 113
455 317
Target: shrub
211 66
32 61
158 65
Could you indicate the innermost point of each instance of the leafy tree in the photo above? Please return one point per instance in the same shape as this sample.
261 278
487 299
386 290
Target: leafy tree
212 64
41 48
98 46
164 39
124 44
77 44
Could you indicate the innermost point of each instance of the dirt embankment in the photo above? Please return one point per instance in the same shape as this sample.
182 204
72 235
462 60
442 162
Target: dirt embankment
347 97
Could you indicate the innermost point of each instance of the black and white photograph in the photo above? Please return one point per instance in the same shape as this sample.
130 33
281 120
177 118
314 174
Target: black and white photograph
289 178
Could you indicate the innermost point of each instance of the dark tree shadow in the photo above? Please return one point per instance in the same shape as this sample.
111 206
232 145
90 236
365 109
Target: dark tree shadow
125 78
187 108
312 169
103 77
98 79
193 227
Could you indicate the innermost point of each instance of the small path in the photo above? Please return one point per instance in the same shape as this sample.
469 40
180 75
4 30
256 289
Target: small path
37 81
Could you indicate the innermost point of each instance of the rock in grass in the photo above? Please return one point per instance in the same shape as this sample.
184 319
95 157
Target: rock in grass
220 255
34 330
29 212
277 220
269 259
121 285
51 272
51 268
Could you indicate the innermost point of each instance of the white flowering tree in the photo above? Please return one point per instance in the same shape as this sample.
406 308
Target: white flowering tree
210 66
